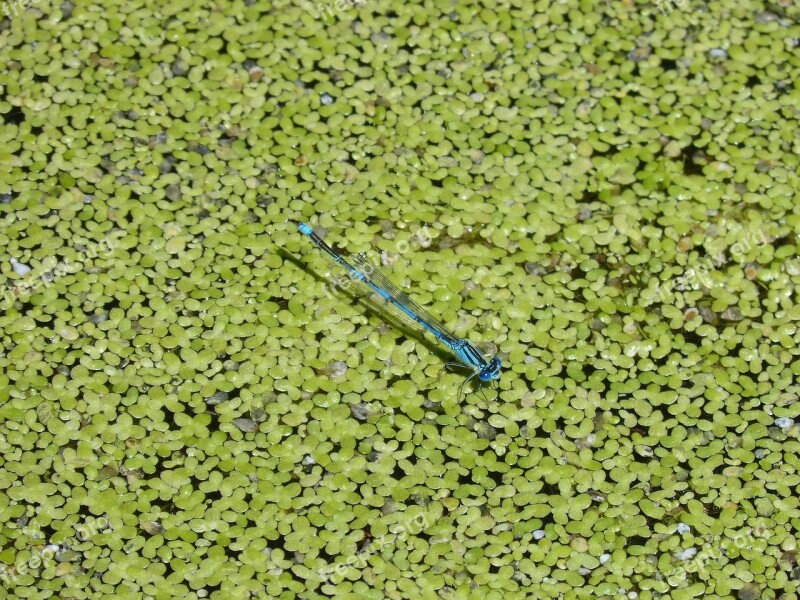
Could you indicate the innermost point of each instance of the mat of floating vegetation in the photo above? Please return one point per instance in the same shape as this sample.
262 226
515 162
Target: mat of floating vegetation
605 194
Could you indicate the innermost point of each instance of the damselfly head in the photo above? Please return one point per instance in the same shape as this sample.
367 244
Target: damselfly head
491 371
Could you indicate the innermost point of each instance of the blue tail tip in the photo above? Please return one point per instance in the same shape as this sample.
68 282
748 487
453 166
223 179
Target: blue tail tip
304 229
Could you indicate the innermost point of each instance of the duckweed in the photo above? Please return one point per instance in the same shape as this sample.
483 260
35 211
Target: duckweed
603 194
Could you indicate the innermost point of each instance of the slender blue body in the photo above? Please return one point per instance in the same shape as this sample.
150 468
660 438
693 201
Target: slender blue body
364 272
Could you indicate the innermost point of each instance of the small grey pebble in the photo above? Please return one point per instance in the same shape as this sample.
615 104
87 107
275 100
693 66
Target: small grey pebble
337 368
246 425
99 317
732 314
360 411
708 315
749 592
179 68
217 398
534 269
686 554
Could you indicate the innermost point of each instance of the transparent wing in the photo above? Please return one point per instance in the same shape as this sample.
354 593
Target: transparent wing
376 276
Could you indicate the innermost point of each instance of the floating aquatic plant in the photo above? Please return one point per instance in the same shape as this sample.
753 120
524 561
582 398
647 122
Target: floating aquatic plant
609 194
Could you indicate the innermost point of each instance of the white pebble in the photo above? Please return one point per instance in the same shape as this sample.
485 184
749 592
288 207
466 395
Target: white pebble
683 528
784 422
538 534
604 558
326 99
19 268
686 554
337 368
